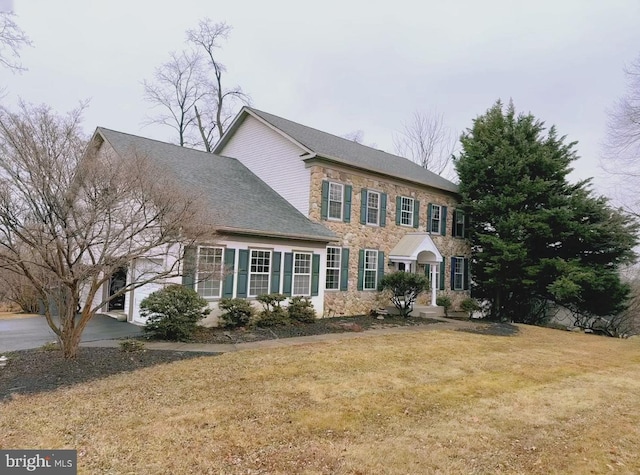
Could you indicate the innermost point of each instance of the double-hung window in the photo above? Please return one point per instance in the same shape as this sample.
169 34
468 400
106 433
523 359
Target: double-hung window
434 223
336 195
302 273
370 281
406 211
459 273
334 255
458 223
259 272
373 207
209 272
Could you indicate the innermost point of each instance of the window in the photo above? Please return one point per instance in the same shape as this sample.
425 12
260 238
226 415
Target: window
259 272
373 207
209 272
333 268
335 201
301 273
370 270
458 223
406 211
434 223
459 271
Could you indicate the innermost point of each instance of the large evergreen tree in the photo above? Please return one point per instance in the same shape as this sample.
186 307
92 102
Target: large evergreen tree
536 238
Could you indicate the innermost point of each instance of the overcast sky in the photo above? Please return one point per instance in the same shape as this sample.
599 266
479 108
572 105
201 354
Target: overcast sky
342 66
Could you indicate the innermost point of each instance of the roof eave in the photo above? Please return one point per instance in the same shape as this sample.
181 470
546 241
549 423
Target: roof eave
374 170
275 234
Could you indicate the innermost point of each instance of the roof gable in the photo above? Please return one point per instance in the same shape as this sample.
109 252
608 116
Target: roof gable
240 201
344 151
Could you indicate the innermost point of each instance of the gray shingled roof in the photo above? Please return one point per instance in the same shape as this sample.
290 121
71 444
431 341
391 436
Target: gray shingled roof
355 154
241 201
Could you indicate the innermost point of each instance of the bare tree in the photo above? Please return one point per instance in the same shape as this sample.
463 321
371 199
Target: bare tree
428 141
178 85
12 39
192 92
356 136
621 157
71 215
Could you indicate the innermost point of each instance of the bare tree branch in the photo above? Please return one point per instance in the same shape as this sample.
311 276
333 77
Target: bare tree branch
621 149
12 39
428 141
177 87
71 215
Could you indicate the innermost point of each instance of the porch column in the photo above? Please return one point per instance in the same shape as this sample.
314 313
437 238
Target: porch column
434 284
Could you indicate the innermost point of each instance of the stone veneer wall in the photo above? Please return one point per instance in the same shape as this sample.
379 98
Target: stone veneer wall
356 236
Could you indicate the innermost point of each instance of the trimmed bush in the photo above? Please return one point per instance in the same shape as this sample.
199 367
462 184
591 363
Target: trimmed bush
469 305
445 302
238 312
272 313
301 310
173 312
131 346
405 288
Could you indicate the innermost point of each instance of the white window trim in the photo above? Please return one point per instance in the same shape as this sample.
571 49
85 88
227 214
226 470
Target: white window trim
329 201
268 273
294 274
439 231
459 219
458 261
339 268
411 213
199 280
374 270
369 194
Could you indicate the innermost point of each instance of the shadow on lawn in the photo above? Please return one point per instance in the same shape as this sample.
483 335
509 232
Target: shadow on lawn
495 329
35 371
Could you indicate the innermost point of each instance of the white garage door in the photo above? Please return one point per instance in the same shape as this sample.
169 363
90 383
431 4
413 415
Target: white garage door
143 270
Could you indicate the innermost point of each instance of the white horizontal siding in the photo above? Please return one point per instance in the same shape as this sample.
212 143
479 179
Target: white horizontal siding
274 159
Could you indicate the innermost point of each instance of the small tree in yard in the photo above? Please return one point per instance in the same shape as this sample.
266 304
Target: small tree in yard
173 313
72 214
405 288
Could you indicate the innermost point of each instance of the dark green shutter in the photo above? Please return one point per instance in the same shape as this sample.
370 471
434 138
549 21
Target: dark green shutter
383 209
275 273
452 272
381 265
443 217
398 210
324 205
429 217
315 274
344 269
243 273
189 266
467 222
346 211
288 273
363 206
465 277
229 261
454 222
360 269
442 269
416 214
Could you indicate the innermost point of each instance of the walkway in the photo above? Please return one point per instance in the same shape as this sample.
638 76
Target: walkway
443 324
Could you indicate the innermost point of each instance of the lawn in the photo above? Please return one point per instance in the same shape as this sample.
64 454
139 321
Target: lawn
541 401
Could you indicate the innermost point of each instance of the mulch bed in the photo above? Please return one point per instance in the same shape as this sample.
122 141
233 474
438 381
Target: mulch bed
40 370
319 327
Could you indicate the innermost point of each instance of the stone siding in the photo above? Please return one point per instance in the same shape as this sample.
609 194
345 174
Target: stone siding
356 236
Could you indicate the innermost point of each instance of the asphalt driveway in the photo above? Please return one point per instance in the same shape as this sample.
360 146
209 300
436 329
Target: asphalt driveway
33 332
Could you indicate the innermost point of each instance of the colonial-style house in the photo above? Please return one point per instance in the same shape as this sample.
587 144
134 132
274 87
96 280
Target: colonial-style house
389 213
303 212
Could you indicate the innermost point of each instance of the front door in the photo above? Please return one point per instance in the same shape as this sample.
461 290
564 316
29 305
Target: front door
116 283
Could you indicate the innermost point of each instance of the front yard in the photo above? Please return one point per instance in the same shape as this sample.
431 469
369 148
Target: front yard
539 401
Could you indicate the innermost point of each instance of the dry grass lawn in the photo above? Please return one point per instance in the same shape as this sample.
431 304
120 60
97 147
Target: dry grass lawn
543 401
